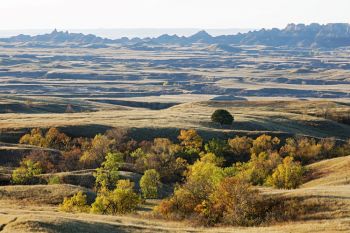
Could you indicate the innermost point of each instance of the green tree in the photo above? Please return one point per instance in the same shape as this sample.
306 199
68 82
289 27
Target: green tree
26 172
288 175
222 116
150 184
107 175
216 146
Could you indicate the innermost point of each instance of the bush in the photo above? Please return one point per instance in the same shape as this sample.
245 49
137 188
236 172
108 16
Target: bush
75 204
121 200
26 172
150 184
223 117
234 202
288 175
54 180
49 161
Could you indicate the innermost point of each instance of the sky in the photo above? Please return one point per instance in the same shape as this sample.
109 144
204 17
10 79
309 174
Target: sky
206 14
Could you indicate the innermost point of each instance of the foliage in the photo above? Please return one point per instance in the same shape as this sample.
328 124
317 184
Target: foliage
54 180
201 179
217 147
264 143
108 174
75 204
71 159
94 155
150 184
35 138
53 139
233 202
26 172
190 139
49 161
240 148
260 167
223 117
302 149
161 157
121 200
287 175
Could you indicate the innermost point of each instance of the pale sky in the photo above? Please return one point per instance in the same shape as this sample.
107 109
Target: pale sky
66 14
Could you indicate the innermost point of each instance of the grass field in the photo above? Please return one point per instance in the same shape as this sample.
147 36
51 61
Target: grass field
251 117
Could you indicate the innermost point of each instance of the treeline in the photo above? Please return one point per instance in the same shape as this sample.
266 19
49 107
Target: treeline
214 180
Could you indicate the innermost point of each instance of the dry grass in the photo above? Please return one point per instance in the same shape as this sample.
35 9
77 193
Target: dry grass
254 117
330 213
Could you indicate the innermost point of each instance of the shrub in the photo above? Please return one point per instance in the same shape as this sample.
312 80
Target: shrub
121 200
70 160
288 175
223 117
26 172
234 202
75 204
54 180
150 184
49 161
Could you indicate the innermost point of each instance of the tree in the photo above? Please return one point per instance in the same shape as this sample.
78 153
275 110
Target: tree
264 143
75 204
201 180
223 117
150 184
121 200
233 202
49 161
26 172
260 167
94 156
216 146
108 174
240 148
190 139
288 175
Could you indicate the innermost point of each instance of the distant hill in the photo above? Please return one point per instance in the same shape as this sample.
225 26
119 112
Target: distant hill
294 35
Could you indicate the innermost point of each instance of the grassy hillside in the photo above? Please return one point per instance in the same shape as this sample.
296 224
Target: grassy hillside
251 117
330 199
